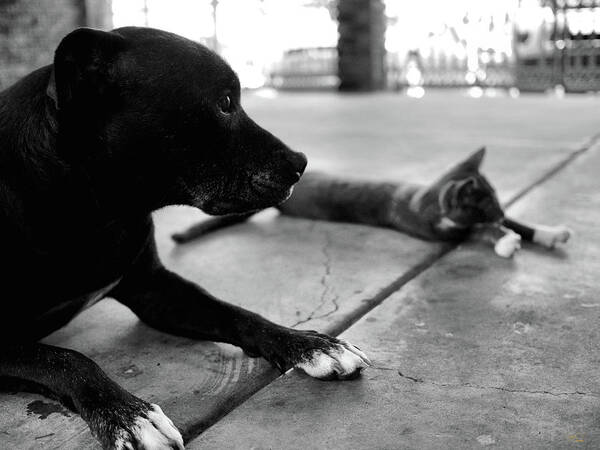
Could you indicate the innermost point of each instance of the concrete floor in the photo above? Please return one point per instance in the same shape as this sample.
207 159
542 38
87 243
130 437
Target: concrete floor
469 349
474 351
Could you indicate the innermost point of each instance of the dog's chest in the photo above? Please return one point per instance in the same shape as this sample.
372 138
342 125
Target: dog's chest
94 297
83 261
78 270
81 302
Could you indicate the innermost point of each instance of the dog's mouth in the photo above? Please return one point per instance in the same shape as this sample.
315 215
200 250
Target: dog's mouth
268 184
261 197
270 191
256 193
223 207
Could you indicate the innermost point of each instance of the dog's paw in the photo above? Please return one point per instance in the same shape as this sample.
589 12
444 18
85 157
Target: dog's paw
507 245
339 361
549 237
319 355
150 431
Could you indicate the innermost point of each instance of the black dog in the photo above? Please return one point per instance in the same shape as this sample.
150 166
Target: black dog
121 124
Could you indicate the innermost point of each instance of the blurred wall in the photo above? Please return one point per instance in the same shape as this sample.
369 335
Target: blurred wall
30 30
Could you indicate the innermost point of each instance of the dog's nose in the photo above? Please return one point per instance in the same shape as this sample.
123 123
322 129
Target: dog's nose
299 162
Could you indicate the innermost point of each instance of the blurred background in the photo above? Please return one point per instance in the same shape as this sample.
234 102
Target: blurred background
408 46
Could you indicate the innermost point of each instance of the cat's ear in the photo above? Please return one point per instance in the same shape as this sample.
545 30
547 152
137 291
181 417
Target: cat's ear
474 161
467 186
465 168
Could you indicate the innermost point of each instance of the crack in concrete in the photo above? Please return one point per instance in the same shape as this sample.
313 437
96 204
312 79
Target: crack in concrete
325 286
497 388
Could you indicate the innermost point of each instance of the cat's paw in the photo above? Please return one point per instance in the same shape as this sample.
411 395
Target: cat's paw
549 237
507 245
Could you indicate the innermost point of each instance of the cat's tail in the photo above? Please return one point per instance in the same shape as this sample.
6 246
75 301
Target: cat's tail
208 226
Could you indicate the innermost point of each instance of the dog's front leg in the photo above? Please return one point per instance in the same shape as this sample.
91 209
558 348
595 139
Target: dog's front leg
169 303
118 419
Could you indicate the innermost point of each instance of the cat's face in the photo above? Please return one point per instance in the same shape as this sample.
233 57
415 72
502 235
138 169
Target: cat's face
466 197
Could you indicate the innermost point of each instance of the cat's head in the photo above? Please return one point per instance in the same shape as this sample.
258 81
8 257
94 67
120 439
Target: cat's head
465 197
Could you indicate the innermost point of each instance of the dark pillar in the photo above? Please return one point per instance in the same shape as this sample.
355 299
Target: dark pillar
98 14
361 45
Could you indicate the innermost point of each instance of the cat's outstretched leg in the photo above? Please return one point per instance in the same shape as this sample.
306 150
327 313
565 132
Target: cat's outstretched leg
505 241
206 226
544 235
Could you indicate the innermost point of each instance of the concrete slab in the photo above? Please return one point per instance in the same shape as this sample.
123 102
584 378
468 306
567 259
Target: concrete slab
313 275
475 351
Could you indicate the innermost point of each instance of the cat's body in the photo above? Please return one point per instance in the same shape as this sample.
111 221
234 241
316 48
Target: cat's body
459 203
324 197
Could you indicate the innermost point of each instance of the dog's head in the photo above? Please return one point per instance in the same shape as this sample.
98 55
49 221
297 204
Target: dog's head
158 116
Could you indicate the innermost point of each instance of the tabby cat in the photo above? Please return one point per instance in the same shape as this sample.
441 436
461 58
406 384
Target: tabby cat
461 203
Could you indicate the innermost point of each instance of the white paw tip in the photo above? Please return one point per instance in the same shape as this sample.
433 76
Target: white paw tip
343 360
156 432
122 442
550 236
165 425
507 245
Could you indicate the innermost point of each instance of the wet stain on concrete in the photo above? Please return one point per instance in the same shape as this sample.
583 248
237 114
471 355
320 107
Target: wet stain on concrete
44 409
526 316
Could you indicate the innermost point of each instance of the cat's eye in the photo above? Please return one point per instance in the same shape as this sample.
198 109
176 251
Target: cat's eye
225 105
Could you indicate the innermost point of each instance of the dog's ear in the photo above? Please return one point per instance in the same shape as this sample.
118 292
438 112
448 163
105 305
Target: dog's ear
82 64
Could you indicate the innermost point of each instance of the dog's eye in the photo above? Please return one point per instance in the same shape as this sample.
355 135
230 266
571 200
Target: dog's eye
224 104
